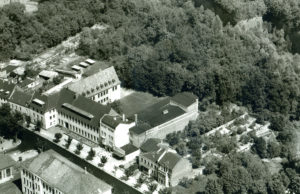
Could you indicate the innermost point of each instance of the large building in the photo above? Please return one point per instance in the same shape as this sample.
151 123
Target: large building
167 116
103 87
6 168
51 173
165 165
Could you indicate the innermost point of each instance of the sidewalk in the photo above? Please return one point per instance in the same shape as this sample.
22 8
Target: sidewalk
111 166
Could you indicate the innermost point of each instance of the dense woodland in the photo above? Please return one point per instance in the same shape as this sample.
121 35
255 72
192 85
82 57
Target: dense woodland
239 51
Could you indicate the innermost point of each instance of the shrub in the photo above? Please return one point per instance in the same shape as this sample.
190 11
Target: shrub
57 136
68 142
91 154
152 187
103 159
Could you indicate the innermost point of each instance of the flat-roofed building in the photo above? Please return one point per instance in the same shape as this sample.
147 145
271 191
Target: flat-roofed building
48 75
50 173
103 86
167 116
6 168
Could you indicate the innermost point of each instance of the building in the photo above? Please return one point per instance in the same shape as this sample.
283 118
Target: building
48 75
6 168
103 86
151 145
50 173
6 89
6 71
28 83
114 134
165 165
167 116
18 101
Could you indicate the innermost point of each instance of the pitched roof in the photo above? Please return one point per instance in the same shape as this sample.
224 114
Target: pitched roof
164 158
26 82
6 89
129 148
185 98
157 114
10 68
151 145
6 161
103 79
112 121
64 175
21 98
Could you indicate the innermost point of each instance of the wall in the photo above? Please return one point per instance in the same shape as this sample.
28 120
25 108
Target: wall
5 176
121 134
108 95
182 169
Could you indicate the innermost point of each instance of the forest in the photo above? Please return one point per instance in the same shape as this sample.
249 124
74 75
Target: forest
225 51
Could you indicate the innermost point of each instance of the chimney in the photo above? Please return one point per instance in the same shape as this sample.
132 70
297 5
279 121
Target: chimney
123 117
85 171
135 118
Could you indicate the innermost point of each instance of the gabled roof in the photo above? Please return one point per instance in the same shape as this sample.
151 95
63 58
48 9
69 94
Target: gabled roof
156 115
102 80
10 68
151 145
185 98
6 89
26 82
6 161
21 98
64 175
163 157
129 148
112 121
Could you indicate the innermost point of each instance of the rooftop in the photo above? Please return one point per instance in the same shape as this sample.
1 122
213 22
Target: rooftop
99 81
112 121
21 98
129 148
151 145
48 74
26 82
10 68
6 89
6 161
64 175
185 98
9 188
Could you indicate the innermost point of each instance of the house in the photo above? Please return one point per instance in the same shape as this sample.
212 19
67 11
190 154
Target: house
165 165
6 168
28 83
151 145
167 116
48 75
6 89
18 101
114 133
6 71
103 86
50 172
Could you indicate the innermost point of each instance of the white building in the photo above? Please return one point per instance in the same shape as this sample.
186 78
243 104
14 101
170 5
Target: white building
6 168
103 87
51 173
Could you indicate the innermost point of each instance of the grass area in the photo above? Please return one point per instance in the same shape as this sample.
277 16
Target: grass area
137 101
197 186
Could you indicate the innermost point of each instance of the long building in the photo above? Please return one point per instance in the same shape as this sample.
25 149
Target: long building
167 116
51 173
103 87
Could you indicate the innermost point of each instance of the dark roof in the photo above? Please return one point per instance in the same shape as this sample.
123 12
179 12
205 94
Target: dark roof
86 105
66 176
112 121
6 161
164 158
49 102
9 188
6 89
21 98
26 82
186 98
129 148
151 145
10 68
156 114
169 160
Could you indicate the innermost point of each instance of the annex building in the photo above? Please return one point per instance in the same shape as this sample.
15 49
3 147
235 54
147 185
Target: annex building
51 173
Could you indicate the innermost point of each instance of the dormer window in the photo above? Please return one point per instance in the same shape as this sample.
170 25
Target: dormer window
165 112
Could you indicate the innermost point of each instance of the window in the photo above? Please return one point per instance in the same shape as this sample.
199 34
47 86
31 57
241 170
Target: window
8 172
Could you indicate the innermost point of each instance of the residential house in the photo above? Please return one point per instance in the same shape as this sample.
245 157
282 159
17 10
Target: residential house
165 165
6 71
167 116
114 133
28 83
50 173
103 86
6 168
18 101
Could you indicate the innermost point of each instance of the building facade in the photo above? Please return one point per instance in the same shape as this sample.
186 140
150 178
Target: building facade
164 165
102 87
6 168
51 173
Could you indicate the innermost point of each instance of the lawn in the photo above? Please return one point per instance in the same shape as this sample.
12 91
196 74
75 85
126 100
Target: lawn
137 101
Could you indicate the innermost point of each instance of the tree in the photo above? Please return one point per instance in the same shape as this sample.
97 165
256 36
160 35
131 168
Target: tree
165 191
38 126
260 147
273 149
103 159
152 187
91 154
79 147
68 142
213 186
57 136
28 120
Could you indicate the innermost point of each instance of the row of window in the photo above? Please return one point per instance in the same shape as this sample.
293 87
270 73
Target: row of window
5 173
78 122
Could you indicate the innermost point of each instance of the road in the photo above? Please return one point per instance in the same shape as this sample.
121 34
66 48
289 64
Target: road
30 141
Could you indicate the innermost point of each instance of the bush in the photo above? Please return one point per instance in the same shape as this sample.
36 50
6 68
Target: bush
77 152
152 187
241 130
130 170
91 154
103 159
68 142
57 136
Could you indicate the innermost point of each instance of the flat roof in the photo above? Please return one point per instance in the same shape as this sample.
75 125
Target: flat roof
90 61
76 67
6 161
40 102
83 64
